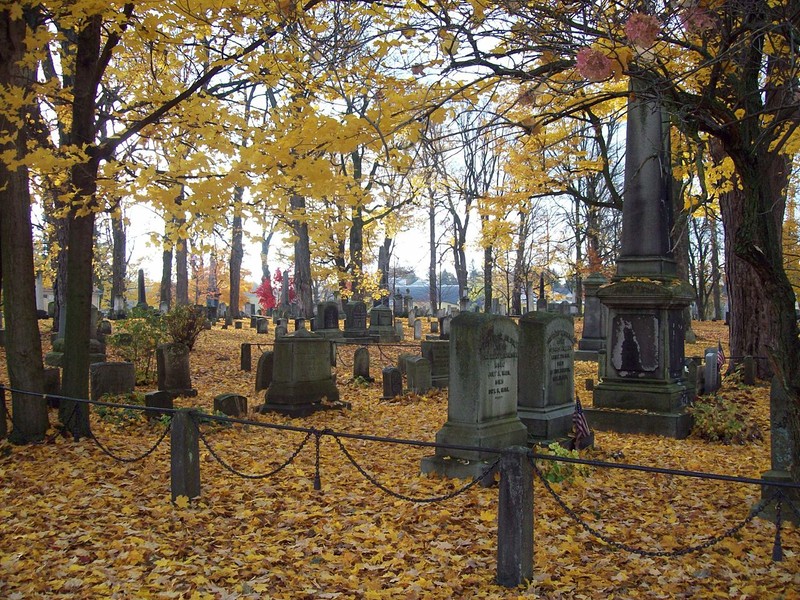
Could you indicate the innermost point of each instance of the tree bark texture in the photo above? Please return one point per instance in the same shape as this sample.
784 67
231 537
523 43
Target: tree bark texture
302 260
235 262
23 344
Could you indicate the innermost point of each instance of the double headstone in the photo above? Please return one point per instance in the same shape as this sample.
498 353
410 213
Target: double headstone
482 398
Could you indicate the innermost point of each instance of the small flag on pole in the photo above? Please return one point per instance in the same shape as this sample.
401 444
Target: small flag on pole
720 355
582 431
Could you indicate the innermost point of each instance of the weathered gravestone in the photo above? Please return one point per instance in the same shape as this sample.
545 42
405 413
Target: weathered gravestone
643 387
156 400
417 329
264 371
546 375
361 364
301 376
711 378
783 453
392 383
381 324
262 325
232 405
419 375
482 398
142 296
399 330
435 326
541 301
326 323
355 325
114 378
412 316
593 338
438 353
402 361
174 375
280 331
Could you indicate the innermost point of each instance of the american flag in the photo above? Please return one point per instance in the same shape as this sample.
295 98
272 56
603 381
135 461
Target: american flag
720 355
579 421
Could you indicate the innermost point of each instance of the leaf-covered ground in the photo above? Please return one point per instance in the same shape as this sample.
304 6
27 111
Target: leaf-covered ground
79 524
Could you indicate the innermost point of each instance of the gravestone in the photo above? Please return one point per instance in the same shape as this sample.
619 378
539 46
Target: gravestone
482 399
546 399
444 327
711 378
541 301
299 323
119 308
115 378
158 400
412 316
435 326
302 381
417 329
593 338
643 387
438 353
264 371
381 324
783 453
402 361
142 297
419 375
361 364
232 405
253 321
280 331
563 307
355 325
399 330
237 324
392 383
174 375
326 323
163 307
262 325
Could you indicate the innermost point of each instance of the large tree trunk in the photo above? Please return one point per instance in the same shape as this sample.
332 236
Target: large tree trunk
716 283
487 278
237 255
83 176
23 344
302 259
181 273
357 254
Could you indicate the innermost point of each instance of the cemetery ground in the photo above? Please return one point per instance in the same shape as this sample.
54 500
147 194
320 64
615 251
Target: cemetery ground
79 524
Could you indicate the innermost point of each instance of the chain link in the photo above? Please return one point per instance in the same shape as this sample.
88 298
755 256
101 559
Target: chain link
754 512
225 465
134 459
400 496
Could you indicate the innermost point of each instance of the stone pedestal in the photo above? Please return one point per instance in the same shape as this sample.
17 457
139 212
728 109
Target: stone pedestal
643 388
301 376
482 398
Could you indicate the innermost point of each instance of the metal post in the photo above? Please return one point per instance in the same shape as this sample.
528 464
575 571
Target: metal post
515 519
185 455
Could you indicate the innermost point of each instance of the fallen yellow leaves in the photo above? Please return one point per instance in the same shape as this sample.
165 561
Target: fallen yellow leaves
76 524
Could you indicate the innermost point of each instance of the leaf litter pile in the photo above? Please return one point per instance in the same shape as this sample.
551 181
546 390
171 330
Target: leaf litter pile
79 524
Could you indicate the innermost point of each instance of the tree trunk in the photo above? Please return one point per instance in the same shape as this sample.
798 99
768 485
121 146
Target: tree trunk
181 273
487 279
302 259
716 282
235 263
357 253
23 344
83 177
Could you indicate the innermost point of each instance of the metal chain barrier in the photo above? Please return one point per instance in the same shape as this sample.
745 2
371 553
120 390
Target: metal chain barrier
227 466
394 494
754 512
124 459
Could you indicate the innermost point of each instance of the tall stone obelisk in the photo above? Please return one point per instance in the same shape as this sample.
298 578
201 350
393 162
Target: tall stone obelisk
643 387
